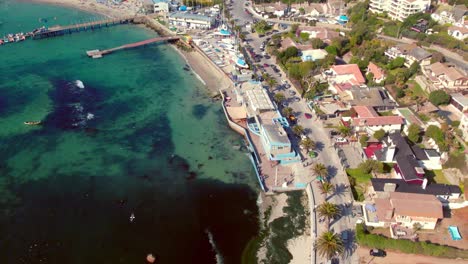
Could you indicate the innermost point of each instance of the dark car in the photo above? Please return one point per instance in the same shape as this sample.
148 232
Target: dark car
265 65
307 115
377 253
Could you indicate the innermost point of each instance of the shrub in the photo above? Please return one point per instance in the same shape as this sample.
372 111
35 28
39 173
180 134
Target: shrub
413 133
363 140
439 97
379 134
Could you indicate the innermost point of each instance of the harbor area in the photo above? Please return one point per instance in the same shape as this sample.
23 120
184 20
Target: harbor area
251 113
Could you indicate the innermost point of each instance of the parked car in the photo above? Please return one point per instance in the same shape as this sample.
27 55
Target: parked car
307 115
375 252
265 65
296 99
291 92
341 140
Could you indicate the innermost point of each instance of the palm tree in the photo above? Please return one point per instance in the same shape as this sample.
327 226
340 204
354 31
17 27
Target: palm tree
329 244
298 130
327 188
279 97
272 82
344 130
308 144
287 111
320 170
329 211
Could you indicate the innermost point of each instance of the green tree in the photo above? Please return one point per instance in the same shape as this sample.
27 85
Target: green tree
369 166
272 82
332 50
279 97
329 211
301 10
320 170
316 43
304 36
379 134
308 144
344 130
363 140
327 188
413 69
294 28
413 133
435 133
398 62
439 97
298 130
287 111
329 244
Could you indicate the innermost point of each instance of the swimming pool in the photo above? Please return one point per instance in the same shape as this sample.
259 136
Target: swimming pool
454 233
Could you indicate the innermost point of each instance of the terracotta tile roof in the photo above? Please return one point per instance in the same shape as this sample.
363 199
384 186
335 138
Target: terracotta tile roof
367 116
437 68
378 72
416 205
352 69
452 74
365 111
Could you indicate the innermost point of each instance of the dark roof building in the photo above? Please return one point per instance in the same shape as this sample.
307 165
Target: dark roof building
406 157
442 191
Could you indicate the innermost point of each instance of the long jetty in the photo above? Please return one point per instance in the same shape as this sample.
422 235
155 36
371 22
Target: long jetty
95 54
62 30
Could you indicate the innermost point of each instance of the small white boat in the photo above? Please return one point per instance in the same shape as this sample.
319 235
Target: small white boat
132 217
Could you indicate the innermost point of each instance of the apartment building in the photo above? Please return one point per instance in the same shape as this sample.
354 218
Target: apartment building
399 9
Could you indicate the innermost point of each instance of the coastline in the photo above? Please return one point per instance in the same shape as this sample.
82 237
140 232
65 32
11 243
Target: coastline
204 71
88 6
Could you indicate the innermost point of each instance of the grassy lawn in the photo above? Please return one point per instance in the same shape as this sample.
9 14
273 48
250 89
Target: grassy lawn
358 181
417 90
436 176
386 113
359 175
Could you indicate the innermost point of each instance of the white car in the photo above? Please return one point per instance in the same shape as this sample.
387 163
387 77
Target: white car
341 140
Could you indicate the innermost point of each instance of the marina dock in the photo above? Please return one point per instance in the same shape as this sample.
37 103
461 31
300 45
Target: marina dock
95 54
62 30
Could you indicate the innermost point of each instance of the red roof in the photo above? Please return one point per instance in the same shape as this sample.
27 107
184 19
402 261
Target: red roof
347 69
367 116
378 73
365 111
378 121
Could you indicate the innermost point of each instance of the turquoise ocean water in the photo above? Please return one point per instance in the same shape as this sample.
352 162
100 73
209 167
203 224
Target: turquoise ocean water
141 137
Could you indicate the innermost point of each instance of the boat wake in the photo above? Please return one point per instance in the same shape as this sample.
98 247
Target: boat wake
219 258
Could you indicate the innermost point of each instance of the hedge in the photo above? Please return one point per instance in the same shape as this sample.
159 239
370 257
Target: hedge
366 239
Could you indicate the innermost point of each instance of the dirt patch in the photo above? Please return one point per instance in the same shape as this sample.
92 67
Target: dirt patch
401 258
441 235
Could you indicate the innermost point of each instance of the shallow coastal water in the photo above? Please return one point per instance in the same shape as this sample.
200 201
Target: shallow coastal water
140 137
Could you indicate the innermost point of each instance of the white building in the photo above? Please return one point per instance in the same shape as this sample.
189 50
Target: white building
399 9
157 6
193 21
459 33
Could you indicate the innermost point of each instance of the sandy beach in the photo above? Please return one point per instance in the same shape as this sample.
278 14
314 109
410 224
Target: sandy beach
127 9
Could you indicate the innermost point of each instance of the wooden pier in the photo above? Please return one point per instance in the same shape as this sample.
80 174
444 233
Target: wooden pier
62 30
96 54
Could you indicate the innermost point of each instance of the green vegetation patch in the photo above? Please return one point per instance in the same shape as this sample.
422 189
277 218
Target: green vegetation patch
285 228
359 175
364 238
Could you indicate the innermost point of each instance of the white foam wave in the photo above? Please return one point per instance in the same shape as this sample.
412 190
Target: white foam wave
90 116
219 258
79 84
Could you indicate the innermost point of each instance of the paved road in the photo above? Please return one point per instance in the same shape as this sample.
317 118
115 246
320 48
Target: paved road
315 130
